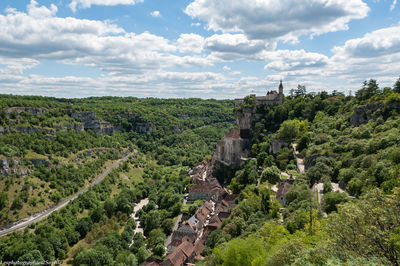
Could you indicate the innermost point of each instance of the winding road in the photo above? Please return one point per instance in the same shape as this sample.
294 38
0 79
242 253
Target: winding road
11 227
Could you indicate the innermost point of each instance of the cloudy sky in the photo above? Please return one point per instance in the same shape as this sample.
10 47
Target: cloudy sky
195 48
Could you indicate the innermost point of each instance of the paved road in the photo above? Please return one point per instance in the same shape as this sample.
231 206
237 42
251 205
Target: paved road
9 228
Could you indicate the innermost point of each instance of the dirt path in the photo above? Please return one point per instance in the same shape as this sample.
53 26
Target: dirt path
9 228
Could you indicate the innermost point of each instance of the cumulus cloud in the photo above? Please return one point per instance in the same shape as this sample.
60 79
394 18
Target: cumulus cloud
190 43
381 42
155 14
277 19
93 43
133 64
235 46
375 55
291 60
75 4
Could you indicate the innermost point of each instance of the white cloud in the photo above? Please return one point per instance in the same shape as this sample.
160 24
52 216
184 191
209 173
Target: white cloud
235 46
190 43
285 60
381 42
155 14
393 5
375 55
197 24
277 19
226 68
92 43
75 4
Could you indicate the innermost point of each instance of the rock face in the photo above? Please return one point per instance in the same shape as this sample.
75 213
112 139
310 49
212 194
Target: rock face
75 127
232 150
11 167
32 110
364 113
90 122
144 127
44 162
244 118
277 144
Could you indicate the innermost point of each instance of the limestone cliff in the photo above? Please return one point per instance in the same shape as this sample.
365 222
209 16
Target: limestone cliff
142 127
12 167
31 110
90 122
232 150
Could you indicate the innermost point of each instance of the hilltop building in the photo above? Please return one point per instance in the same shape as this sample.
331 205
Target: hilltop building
272 97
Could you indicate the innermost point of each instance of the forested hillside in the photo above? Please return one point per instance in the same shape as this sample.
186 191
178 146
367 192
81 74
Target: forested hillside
344 209
52 148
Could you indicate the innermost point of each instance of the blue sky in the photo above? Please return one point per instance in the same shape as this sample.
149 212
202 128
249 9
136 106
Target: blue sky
195 48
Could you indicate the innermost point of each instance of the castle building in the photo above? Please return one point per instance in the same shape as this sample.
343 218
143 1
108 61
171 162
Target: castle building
272 97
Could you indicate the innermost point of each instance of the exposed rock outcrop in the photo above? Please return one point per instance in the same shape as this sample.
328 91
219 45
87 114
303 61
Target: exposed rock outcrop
32 110
11 167
144 127
232 150
277 144
44 162
244 118
90 122
74 127
364 113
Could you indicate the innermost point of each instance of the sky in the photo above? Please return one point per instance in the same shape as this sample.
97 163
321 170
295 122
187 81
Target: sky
219 49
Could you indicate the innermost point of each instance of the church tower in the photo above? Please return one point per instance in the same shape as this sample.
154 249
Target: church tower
281 93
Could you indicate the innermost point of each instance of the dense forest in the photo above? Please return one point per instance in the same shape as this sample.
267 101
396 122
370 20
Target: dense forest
350 146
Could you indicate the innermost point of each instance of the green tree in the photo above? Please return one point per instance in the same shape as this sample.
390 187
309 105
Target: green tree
289 130
93 257
270 174
366 228
3 200
32 256
396 86
368 90
332 199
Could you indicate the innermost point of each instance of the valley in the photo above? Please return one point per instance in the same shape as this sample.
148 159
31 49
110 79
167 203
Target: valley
265 179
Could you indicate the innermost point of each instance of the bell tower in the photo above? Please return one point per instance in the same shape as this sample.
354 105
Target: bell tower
281 97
